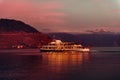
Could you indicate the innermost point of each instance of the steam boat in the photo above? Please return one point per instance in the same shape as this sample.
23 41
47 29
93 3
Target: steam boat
58 45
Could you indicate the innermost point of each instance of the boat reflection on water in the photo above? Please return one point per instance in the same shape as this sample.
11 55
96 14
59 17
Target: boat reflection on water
65 60
48 66
60 66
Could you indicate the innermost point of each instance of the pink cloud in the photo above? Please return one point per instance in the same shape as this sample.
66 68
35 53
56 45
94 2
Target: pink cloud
115 11
50 5
33 13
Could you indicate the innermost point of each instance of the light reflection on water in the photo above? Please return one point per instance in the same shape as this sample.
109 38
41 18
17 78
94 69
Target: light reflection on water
60 66
65 60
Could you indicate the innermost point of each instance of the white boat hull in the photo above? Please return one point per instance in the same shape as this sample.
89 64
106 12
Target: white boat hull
60 50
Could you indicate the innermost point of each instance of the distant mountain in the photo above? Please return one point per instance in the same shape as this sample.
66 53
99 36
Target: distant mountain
100 31
15 33
10 25
64 37
94 40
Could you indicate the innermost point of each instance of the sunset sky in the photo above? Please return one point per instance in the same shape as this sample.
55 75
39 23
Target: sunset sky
64 15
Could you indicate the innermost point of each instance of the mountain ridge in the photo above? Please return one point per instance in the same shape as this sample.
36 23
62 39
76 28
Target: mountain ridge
94 40
11 25
14 33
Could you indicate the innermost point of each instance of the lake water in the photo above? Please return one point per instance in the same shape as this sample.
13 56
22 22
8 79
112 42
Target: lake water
59 66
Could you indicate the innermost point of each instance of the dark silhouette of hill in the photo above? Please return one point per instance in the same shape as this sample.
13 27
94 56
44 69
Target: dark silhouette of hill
94 40
64 37
14 33
10 25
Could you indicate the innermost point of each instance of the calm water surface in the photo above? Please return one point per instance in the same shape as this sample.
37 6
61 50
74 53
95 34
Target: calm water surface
60 66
